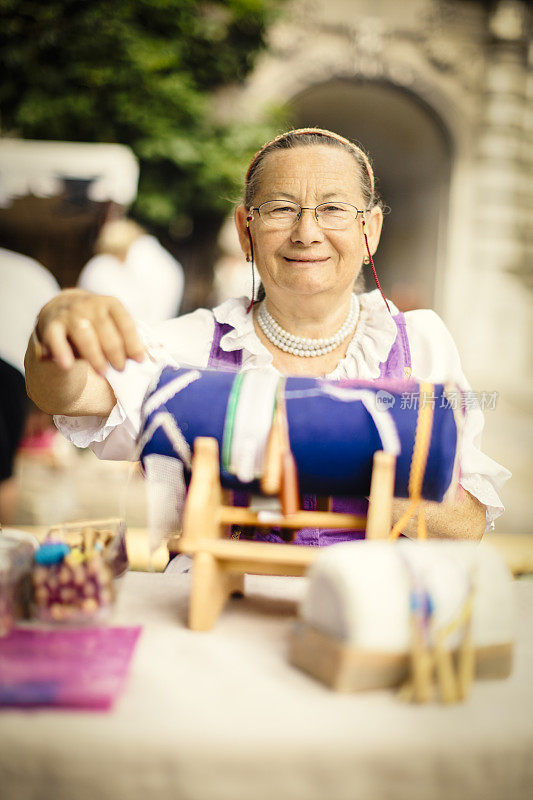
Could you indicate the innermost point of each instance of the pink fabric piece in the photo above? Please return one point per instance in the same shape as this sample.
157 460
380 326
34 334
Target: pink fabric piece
40 441
82 668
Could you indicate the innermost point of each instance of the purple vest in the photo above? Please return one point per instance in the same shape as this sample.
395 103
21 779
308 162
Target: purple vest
397 366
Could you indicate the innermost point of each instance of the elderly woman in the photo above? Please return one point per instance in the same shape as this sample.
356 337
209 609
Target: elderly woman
310 219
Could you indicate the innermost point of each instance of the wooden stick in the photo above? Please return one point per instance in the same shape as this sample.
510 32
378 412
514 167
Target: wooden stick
467 666
200 516
379 521
271 480
289 495
107 522
467 659
289 498
228 515
323 502
421 529
89 539
252 552
445 673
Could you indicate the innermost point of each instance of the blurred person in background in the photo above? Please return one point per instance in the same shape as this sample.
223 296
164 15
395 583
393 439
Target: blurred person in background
309 219
231 274
24 286
408 296
133 267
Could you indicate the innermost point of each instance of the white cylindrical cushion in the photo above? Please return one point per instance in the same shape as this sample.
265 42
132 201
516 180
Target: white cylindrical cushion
359 592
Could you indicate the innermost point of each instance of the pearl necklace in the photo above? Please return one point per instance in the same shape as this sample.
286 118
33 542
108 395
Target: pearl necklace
300 345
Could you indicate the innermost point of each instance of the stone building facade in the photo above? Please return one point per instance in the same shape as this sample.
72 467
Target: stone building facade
440 93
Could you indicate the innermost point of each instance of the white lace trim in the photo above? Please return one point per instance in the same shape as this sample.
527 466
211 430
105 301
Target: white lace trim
83 431
481 488
370 345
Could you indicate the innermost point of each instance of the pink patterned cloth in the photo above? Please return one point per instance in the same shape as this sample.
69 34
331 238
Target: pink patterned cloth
83 668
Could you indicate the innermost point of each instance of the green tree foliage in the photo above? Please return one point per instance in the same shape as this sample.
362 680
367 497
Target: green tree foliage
142 73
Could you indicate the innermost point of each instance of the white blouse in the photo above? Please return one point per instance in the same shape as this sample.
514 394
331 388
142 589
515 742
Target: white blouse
186 341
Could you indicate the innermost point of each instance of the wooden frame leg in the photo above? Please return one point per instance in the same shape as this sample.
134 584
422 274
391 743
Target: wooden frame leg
204 498
211 587
379 519
205 519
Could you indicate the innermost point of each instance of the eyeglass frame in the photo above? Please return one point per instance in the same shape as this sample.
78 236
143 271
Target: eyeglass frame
306 208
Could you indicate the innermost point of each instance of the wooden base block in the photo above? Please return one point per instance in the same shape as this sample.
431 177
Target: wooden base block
345 668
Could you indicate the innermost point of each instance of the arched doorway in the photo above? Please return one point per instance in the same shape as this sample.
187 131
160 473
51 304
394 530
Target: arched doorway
411 155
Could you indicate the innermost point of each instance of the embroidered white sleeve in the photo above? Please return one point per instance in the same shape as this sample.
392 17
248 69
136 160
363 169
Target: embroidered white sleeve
435 358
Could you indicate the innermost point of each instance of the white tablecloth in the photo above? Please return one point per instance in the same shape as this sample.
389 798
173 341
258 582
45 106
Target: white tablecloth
223 716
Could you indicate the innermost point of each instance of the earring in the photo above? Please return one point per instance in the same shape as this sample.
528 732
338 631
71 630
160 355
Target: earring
248 258
366 260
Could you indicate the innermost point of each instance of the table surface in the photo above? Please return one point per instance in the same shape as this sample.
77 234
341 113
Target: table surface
220 715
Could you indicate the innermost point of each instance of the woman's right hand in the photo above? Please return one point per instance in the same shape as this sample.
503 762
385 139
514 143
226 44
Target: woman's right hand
77 324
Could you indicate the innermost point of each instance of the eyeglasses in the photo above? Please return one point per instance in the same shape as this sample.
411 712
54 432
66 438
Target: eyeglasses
281 214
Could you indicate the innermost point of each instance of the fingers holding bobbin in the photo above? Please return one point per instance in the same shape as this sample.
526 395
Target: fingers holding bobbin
82 325
87 342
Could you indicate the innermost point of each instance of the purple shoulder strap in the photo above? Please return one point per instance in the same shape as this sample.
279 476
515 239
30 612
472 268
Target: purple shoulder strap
398 363
231 360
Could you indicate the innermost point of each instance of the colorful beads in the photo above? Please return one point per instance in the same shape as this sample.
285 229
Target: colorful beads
72 576
78 587
51 553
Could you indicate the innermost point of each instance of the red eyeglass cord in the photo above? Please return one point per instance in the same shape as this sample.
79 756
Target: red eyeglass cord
373 267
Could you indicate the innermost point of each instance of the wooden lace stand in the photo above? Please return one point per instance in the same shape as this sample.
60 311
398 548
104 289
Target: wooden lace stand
220 562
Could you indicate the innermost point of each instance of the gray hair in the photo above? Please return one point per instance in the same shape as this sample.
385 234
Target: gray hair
312 136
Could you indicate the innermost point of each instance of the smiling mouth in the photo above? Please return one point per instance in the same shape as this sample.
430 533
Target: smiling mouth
306 260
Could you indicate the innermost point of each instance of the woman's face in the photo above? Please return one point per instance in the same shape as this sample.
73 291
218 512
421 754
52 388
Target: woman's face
308 260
